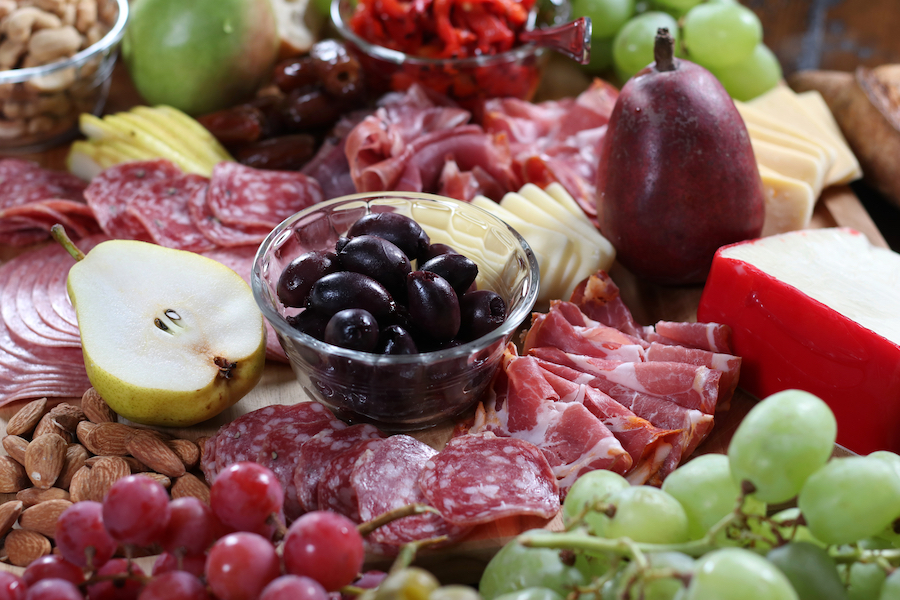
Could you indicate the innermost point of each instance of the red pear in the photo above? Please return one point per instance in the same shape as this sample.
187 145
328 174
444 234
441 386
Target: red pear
677 176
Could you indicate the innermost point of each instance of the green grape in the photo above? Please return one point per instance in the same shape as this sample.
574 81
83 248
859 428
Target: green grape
890 590
892 458
864 581
705 490
738 574
660 582
647 514
781 442
850 498
532 593
601 55
810 569
751 77
607 16
676 8
517 567
464 592
590 488
410 583
718 35
633 46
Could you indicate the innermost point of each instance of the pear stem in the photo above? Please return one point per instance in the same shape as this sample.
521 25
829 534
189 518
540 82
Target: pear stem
59 234
664 50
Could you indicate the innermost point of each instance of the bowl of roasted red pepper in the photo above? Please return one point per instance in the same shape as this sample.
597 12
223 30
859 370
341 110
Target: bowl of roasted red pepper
467 51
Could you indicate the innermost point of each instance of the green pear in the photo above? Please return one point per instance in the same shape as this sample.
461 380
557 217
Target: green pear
169 337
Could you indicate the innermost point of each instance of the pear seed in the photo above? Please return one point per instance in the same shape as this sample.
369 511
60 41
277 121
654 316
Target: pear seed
158 322
173 315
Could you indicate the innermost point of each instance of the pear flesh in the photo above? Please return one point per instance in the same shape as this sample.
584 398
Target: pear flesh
169 337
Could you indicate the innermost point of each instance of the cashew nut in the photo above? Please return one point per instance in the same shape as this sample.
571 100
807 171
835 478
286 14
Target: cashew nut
57 7
10 53
7 7
48 45
41 124
54 82
85 15
20 24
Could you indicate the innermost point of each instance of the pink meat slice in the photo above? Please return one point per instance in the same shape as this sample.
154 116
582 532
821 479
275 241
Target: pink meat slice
24 182
598 298
243 196
335 492
28 311
386 478
553 329
316 453
225 236
162 208
727 364
49 293
479 478
713 337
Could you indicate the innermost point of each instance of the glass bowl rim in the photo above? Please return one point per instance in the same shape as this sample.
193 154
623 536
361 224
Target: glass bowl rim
401 58
513 319
112 37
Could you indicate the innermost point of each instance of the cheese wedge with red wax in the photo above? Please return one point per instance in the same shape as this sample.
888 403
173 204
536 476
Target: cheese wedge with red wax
817 310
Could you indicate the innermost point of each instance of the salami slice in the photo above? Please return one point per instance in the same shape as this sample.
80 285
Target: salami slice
315 455
24 182
386 479
225 236
162 208
243 196
479 478
334 492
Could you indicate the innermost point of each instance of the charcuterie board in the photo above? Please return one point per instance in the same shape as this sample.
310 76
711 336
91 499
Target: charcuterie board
649 303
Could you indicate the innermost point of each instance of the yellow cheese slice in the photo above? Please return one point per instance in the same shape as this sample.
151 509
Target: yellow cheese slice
758 132
781 103
789 202
791 163
562 196
815 104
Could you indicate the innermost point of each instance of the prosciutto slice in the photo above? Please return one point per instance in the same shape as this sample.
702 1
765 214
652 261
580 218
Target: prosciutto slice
728 365
554 330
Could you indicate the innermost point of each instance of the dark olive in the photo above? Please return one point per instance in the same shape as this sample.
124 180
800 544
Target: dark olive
346 289
299 276
481 312
352 328
396 340
398 229
379 259
457 269
433 305
310 322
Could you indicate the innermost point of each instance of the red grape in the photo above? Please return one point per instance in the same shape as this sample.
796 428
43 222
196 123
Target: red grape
119 589
245 495
240 565
12 587
52 566
53 589
294 587
325 546
195 564
174 585
81 537
136 510
192 527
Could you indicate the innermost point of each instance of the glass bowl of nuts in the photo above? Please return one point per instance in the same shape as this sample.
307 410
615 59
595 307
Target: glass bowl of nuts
395 308
56 61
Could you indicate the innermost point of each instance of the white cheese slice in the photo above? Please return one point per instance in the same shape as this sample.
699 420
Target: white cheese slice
790 163
816 105
837 267
789 202
755 116
817 152
781 103
562 196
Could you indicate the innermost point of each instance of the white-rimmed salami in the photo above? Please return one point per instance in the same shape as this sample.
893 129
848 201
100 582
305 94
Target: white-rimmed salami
24 182
162 207
334 491
113 189
215 231
479 478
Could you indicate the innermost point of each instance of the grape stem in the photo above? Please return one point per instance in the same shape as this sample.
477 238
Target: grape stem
392 515
664 50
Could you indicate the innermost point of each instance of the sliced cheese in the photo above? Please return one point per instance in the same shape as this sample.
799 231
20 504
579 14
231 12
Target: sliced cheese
790 163
758 132
816 105
781 103
789 202
755 117
560 194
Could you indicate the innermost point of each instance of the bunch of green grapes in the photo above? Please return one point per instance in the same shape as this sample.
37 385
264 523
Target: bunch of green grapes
709 533
721 35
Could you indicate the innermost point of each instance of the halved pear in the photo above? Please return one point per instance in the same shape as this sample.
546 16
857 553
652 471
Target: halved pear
169 337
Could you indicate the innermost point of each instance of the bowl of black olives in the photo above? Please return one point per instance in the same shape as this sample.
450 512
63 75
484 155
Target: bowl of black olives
395 308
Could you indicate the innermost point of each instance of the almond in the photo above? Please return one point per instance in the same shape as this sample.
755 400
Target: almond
83 432
27 417
96 409
159 477
79 489
134 464
42 517
44 459
76 454
190 485
68 416
187 451
15 446
154 453
108 439
48 424
23 546
12 476
104 474
31 496
9 514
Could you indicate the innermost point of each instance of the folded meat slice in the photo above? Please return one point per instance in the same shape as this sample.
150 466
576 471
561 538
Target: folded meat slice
598 298
553 329
570 436
727 364
713 337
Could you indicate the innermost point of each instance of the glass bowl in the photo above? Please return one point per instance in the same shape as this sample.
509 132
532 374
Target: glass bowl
514 73
40 105
399 392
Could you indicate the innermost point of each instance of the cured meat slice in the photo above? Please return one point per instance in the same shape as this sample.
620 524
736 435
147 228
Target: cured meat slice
648 445
386 478
479 478
690 386
335 491
75 216
316 453
162 208
727 364
598 297
225 236
243 196
554 330
24 182
713 337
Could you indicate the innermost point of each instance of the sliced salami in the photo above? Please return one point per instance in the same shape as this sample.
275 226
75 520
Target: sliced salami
386 478
24 182
479 478
315 455
334 492
225 236
243 196
162 208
